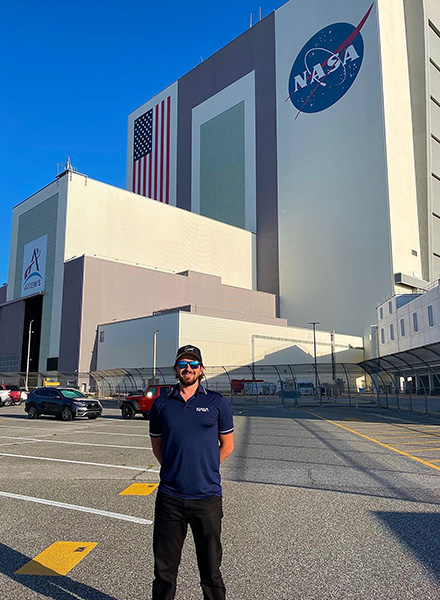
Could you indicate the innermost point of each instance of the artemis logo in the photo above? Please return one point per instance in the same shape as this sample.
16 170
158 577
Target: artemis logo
327 66
202 409
33 269
34 266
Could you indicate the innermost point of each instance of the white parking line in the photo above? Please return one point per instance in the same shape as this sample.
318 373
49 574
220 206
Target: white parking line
44 441
94 511
89 429
80 462
125 425
142 435
48 429
15 443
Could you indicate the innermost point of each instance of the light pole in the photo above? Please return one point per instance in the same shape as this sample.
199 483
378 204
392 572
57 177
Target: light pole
28 355
315 323
332 345
154 354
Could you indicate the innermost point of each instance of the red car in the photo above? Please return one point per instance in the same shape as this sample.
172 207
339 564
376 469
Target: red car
141 403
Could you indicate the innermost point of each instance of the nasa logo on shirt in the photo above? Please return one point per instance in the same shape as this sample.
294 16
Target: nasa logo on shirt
326 66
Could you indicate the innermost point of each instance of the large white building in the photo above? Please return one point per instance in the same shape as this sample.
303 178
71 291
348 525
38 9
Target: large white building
85 253
294 176
318 129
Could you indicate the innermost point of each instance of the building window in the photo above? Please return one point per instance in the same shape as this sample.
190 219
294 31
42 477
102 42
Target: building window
390 307
430 316
101 336
402 327
391 331
381 312
382 335
415 323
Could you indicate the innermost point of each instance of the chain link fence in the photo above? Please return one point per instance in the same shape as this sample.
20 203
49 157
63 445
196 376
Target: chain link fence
335 384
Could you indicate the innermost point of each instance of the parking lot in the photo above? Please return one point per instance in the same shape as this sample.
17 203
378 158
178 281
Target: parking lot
321 503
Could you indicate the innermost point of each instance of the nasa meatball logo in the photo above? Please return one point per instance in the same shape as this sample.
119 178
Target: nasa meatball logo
327 66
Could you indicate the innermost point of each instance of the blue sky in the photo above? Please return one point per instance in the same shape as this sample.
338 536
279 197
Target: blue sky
73 71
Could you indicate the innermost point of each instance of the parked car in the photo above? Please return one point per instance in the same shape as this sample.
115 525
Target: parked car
141 403
12 395
305 388
64 403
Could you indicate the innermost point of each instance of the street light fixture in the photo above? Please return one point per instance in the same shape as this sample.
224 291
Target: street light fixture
28 355
314 323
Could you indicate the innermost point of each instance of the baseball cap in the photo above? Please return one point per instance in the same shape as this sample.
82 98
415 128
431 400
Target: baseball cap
189 349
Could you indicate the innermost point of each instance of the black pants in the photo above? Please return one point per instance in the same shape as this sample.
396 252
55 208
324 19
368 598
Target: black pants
171 520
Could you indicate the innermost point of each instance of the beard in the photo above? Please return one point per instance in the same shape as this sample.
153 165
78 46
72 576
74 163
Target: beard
187 379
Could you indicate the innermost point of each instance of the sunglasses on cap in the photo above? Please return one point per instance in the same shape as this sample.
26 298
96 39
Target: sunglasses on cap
182 364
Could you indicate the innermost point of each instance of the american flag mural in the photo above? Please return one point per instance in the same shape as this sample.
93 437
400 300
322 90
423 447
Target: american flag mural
151 152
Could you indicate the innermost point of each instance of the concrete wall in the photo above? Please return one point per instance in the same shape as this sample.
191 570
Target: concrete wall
111 223
402 198
223 342
423 42
417 68
130 343
98 291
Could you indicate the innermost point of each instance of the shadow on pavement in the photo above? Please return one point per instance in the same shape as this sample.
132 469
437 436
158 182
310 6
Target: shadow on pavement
57 587
420 532
359 472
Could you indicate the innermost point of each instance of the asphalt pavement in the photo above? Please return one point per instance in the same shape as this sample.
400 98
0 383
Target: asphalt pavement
320 503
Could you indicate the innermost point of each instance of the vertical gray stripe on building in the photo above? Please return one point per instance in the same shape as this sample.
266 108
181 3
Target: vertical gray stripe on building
254 50
222 176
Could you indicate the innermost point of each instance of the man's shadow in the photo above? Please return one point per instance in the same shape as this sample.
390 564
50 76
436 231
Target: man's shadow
58 587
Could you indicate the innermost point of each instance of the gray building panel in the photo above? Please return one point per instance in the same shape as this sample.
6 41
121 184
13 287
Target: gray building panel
37 222
222 175
414 20
254 50
71 316
11 332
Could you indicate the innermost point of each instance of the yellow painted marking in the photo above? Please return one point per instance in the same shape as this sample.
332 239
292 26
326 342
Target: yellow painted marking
57 559
403 437
139 489
408 435
380 425
402 452
393 431
416 443
425 450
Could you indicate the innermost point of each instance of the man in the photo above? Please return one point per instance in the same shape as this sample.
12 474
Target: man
191 433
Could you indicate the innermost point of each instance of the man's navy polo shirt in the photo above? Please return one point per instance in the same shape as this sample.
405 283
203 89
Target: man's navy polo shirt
190 448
